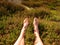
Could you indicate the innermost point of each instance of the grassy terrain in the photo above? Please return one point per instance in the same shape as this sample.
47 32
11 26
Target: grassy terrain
12 16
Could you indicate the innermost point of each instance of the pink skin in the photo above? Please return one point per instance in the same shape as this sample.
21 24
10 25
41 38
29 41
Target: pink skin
36 32
26 22
20 40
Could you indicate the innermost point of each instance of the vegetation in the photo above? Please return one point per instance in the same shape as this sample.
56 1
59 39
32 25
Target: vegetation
12 16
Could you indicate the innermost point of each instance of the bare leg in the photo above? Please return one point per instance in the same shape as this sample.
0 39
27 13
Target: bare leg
20 40
38 41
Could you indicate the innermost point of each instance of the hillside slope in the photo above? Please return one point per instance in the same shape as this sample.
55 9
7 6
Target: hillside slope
12 16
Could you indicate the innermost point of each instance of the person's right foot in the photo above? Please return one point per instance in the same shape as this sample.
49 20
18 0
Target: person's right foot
35 23
36 33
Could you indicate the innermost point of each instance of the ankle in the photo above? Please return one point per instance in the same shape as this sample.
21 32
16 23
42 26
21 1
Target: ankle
35 27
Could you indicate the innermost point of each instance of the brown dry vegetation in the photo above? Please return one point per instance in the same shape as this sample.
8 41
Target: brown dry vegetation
12 16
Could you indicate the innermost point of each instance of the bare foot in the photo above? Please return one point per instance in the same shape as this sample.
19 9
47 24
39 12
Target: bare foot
26 22
20 40
36 32
35 23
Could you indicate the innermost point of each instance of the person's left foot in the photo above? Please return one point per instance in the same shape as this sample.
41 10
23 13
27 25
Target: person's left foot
26 22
